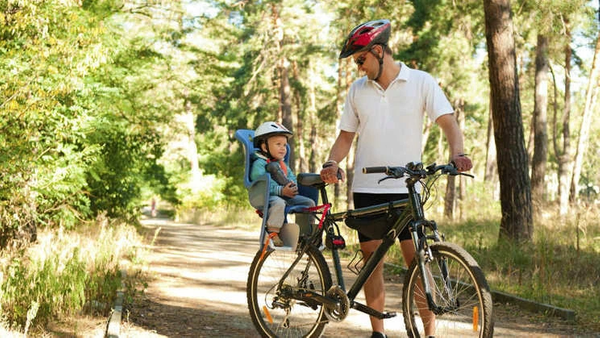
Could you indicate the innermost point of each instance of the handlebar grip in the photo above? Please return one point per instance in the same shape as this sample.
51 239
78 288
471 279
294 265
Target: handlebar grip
375 170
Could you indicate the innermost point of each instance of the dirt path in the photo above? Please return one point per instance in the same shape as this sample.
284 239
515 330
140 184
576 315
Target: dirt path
198 289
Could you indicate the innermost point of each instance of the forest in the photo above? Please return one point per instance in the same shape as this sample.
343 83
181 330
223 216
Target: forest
106 104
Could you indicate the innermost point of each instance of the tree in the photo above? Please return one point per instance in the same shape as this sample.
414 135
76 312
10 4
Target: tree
550 22
490 151
563 153
590 100
540 151
515 187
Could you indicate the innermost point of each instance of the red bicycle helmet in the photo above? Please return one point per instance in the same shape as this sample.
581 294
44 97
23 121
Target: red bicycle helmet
365 35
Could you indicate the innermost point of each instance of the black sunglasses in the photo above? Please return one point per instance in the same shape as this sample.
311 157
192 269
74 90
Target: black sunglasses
361 59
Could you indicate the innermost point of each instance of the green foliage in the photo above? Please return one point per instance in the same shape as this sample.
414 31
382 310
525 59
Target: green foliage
46 47
72 115
115 182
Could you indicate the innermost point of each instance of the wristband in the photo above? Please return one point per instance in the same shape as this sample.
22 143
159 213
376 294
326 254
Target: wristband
329 163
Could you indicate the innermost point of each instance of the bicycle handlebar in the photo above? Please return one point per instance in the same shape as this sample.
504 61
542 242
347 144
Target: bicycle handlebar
375 170
415 170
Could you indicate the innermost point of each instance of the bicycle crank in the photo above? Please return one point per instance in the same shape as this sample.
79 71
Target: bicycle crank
340 309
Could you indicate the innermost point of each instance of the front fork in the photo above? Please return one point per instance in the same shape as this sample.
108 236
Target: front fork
424 255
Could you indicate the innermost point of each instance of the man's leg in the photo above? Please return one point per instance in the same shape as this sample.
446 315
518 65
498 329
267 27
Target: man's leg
428 317
374 288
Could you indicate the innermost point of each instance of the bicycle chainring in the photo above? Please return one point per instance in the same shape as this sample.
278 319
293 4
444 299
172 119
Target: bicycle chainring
340 311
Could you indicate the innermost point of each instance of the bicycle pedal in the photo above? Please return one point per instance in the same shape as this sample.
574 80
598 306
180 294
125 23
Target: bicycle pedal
387 315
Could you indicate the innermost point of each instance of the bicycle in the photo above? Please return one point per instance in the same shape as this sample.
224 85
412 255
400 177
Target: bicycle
291 293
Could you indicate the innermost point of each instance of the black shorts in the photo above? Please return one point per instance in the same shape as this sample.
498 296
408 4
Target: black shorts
362 200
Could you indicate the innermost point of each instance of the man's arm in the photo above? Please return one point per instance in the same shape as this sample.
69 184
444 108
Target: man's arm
338 152
455 142
341 147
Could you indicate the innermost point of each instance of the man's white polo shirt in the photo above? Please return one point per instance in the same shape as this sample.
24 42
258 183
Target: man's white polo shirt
389 124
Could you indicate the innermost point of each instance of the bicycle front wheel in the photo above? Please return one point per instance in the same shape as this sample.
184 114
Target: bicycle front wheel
459 290
277 307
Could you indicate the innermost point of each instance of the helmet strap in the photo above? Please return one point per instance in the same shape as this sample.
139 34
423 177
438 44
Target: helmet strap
266 151
380 61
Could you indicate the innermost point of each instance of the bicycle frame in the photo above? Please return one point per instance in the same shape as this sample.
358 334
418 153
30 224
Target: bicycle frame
412 216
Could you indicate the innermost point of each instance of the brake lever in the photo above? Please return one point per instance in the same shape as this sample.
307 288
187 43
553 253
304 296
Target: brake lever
451 171
385 178
454 171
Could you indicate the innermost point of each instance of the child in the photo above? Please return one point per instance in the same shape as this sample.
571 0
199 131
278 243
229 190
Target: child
271 140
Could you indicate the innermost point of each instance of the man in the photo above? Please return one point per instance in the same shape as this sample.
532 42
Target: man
386 109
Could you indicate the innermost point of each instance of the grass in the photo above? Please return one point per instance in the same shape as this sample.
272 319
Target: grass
65 274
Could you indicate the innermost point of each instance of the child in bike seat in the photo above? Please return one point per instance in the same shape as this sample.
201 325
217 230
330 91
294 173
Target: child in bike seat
271 139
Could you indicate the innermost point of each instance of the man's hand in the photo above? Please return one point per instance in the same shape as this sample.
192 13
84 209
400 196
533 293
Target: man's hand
331 173
290 190
462 162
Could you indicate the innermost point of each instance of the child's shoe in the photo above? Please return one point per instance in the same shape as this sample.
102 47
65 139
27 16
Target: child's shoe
276 240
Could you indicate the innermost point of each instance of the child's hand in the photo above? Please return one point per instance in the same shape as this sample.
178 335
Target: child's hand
290 190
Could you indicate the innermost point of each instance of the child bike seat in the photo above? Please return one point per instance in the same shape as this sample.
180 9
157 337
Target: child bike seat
258 190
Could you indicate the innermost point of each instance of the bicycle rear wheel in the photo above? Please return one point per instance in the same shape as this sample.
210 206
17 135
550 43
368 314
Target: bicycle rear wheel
458 288
280 311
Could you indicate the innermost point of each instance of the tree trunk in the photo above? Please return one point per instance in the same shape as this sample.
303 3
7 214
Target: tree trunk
450 197
440 145
301 159
515 188
452 200
590 98
490 155
312 118
460 108
563 157
530 141
540 149
285 99
426 132
286 108
313 166
189 118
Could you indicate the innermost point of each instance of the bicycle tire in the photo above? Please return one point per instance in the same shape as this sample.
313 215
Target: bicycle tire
273 313
468 300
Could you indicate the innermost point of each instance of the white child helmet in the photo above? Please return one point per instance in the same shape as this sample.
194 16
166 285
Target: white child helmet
268 129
